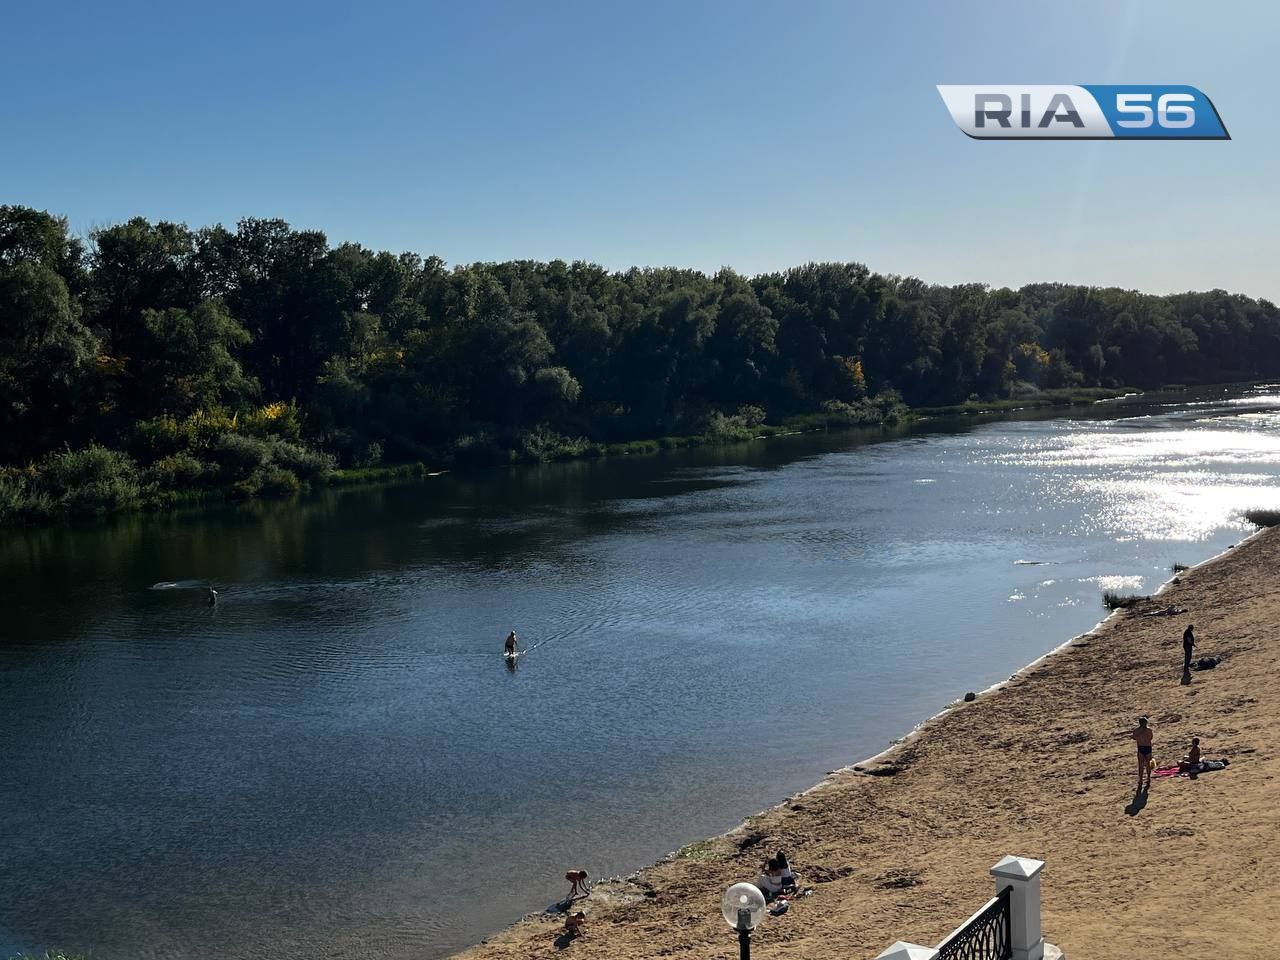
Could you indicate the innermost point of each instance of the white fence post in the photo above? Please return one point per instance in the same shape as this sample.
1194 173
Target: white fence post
1023 875
908 951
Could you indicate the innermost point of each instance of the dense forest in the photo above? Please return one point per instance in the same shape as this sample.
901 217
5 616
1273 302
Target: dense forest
150 361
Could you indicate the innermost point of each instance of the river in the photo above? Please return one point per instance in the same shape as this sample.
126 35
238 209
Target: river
335 761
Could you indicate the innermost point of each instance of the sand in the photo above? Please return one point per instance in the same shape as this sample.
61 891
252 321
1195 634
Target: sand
1040 767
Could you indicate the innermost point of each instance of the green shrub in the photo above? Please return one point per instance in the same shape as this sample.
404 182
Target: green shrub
283 420
239 456
166 435
302 462
278 482
101 497
721 428
177 471
841 414
542 444
87 482
13 496
60 473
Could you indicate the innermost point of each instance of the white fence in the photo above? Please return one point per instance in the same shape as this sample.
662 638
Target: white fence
1006 928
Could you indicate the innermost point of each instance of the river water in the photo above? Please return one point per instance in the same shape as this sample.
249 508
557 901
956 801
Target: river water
335 761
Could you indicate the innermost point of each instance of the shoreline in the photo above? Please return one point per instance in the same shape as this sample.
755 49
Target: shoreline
164 500
864 811
920 728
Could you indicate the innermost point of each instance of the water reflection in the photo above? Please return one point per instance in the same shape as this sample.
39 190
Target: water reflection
288 769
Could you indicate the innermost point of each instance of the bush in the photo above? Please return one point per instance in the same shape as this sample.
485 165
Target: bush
163 436
278 482
283 420
86 482
177 471
239 456
301 461
840 414
1120 601
543 443
13 495
720 427
60 473
1263 518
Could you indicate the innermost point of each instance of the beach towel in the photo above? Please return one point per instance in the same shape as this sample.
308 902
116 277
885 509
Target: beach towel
1205 766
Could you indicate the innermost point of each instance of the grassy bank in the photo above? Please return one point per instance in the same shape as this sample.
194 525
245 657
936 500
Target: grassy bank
218 457
1073 397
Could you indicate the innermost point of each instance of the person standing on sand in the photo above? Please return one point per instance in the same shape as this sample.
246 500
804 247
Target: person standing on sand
1188 641
1143 735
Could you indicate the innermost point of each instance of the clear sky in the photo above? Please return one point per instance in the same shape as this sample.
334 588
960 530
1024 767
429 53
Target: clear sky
757 135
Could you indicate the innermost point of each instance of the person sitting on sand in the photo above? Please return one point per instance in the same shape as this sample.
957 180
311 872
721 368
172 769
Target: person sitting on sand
575 924
577 884
512 644
784 869
1143 736
1191 762
771 879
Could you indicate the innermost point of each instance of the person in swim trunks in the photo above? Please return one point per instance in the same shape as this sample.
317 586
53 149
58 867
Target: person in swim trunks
511 647
1143 736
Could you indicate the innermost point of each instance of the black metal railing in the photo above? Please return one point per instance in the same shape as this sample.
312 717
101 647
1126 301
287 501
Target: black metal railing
986 936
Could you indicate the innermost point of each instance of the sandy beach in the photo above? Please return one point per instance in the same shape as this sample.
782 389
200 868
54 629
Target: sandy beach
899 847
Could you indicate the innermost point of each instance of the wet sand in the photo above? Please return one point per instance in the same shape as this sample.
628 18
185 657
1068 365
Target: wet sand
898 847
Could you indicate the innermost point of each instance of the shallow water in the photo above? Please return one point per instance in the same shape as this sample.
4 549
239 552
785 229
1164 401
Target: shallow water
335 760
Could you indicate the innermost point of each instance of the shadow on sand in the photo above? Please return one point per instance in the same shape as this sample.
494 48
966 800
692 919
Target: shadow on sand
1139 801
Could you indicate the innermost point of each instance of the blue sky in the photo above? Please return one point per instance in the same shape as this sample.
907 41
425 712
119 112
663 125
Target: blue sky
754 135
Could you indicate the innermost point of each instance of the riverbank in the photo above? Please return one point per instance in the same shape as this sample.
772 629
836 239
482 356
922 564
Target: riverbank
210 460
898 847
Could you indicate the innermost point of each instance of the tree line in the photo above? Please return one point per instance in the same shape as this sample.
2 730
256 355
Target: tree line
151 357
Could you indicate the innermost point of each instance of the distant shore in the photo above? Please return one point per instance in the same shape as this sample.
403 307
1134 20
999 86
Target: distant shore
898 846
97 482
